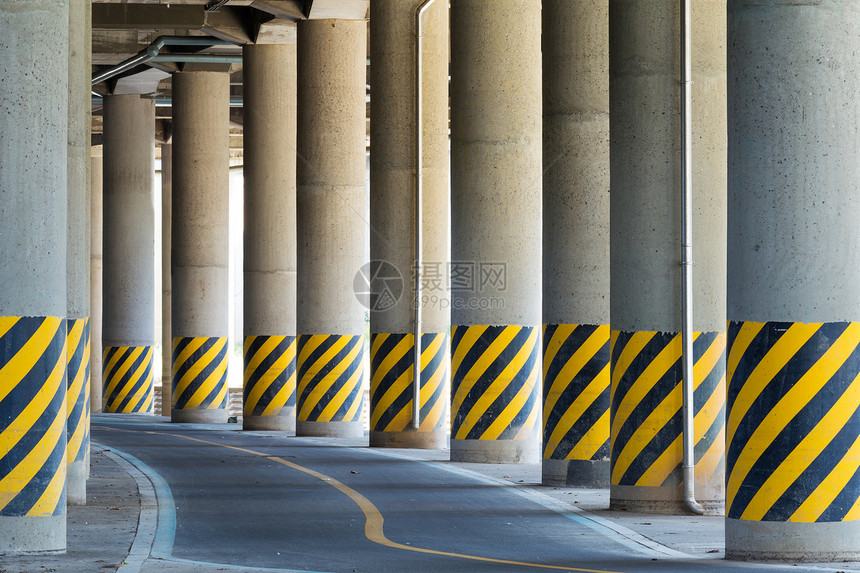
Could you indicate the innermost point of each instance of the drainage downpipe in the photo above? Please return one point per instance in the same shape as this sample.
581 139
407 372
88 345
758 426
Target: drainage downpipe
419 215
152 51
689 464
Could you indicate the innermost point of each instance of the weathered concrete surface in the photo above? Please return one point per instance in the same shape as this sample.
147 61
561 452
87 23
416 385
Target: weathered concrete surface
166 292
96 271
393 179
794 244
496 173
645 202
129 221
200 216
33 212
270 203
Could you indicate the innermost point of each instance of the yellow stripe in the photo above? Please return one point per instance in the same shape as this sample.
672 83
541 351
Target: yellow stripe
309 343
650 376
637 342
377 340
7 323
746 334
561 334
706 467
261 354
400 385
311 372
526 430
499 383
770 364
344 391
796 462
573 367
75 441
853 513
580 404
22 474
516 405
788 406
496 347
280 399
591 440
354 412
132 405
193 346
200 364
661 469
827 491
265 381
213 381
470 337
19 365
126 365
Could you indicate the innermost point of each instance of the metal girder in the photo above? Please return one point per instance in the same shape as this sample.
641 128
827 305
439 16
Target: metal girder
227 23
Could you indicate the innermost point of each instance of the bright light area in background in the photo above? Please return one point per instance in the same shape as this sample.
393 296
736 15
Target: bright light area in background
235 289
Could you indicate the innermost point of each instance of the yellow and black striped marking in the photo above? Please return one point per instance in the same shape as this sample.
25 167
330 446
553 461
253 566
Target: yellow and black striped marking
646 439
331 368
391 364
494 377
200 373
127 379
576 392
793 422
78 397
270 374
33 412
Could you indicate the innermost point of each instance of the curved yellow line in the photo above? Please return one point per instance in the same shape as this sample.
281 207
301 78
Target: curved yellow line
373 520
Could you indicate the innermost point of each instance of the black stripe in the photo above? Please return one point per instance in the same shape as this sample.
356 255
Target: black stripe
339 382
125 380
181 346
404 364
320 350
273 356
710 436
109 354
844 501
278 383
488 376
580 427
144 380
570 345
197 382
638 365
33 490
782 382
439 393
653 450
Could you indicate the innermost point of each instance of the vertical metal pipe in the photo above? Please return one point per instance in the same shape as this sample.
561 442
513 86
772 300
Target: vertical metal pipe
689 464
419 219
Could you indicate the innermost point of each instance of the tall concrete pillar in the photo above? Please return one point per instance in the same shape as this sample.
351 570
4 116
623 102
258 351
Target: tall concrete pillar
96 218
496 117
332 228
576 243
166 241
794 266
201 154
645 254
33 195
269 395
128 329
392 218
78 251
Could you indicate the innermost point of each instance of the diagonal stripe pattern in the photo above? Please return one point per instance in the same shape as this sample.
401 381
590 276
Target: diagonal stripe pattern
270 375
78 394
391 391
33 413
646 407
127 379
793 433
494 377
331 370
200 373
576 392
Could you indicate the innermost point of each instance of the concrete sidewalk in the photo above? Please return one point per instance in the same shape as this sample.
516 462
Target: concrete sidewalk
114 530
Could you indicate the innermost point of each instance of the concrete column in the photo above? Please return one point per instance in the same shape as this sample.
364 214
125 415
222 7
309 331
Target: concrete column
645 246
269 396
576 243
33 228
96 218
392 219
332 225
128 330
166 239
793 271
78 252
496 117
201 154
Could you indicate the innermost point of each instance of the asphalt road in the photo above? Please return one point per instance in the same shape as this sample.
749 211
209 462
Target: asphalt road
258 500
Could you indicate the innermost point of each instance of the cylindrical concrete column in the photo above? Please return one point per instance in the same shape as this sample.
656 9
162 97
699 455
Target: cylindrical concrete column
332 225
645 253
392 218
794 266
576 243
166 240
33 194
269 395
78 252
96 218
496 117
128 330
201 154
